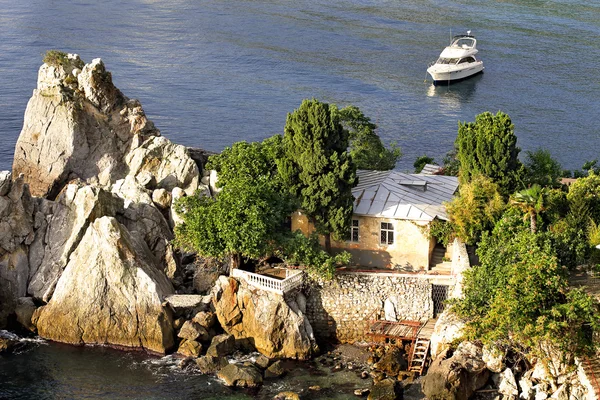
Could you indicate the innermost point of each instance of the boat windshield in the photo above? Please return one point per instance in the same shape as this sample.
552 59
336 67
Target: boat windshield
464 42
467 60
442 60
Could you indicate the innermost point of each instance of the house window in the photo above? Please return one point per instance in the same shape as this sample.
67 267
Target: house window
387 233
354 231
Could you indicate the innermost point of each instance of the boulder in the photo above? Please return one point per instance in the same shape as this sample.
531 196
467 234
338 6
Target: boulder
162 198
189 348
386 389
526 386
211 364
262 361
493 358
193 331
169 163
448 328
205 319
287 396
221 345
14 271
392 362
75 133
118 296
8 345
5 182
456 375
240 375
188 304
206 273
278 328
24 312
506 383
275 370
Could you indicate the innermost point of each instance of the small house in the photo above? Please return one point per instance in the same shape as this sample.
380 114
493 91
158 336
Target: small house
392 213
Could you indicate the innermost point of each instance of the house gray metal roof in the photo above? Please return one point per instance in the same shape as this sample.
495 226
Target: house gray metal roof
431 169
393 194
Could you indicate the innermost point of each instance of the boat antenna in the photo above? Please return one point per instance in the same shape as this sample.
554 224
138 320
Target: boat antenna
469 32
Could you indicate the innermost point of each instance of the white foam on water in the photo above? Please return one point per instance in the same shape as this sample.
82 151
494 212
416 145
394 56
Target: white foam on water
8 335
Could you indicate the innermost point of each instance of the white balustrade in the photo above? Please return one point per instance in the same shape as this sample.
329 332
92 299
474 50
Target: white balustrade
264 282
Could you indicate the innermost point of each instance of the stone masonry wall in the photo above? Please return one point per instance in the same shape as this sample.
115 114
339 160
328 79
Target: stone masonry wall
340 309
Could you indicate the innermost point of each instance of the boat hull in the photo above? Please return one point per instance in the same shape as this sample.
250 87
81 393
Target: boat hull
450 76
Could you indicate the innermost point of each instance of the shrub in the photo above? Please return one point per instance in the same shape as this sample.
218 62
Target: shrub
56 58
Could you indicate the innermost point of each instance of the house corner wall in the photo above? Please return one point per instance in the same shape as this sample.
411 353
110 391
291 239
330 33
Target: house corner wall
342 309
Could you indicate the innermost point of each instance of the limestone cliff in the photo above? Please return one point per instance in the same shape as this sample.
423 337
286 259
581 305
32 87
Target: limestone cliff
95 242
78 125
16 233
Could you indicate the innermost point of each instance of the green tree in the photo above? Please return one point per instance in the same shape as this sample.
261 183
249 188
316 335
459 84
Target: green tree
519 295
366 148
318 169
451 163
421 161
476 208
542 169
585 193
247 217
488 147
248 161
531 202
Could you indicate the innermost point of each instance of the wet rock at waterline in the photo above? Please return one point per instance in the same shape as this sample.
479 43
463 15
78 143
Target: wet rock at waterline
386 389
240 375
190 348
211 364
111 292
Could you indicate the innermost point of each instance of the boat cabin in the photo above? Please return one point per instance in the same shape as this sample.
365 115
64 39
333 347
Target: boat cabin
456 61
464 41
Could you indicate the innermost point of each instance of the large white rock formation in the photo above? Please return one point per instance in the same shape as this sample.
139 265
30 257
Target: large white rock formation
78 125
111 292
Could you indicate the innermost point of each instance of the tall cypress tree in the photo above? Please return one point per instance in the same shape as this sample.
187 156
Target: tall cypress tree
488 147
318 168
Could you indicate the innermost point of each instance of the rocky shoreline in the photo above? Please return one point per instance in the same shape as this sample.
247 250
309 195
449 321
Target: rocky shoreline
86 224
86 258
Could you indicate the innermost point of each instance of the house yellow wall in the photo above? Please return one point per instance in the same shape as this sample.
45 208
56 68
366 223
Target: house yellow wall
411 249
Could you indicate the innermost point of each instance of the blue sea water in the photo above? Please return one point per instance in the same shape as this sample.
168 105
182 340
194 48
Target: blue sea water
213 72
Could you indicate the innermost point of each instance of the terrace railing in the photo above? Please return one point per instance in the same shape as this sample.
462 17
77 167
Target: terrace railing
293 280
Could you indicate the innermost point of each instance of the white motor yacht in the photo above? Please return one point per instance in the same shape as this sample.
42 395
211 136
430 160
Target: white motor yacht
456 61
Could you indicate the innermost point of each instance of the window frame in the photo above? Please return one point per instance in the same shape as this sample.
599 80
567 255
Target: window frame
355 228
388 230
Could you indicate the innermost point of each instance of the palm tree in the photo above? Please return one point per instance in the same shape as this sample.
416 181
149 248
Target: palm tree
531 202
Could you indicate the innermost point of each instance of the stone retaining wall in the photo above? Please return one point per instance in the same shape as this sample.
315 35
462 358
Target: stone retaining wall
340 309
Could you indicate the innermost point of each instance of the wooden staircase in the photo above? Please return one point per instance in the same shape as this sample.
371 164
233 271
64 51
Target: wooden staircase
591 369
419 355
